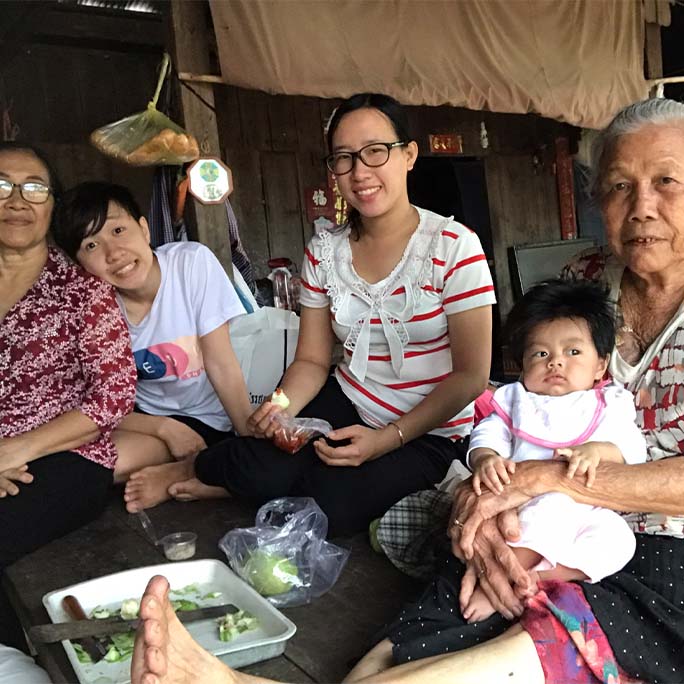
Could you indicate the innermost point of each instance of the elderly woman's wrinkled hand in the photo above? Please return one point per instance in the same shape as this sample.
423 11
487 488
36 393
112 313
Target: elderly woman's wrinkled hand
470 511
489 559
9 478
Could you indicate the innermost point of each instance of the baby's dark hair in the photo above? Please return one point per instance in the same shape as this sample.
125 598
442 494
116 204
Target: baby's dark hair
83 211
553 299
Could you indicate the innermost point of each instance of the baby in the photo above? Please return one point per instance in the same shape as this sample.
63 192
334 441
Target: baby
561 333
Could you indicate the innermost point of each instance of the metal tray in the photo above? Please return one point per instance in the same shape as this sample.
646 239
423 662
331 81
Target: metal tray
267 641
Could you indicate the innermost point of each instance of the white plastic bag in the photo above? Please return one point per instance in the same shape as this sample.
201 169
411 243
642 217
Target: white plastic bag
264 343
285 556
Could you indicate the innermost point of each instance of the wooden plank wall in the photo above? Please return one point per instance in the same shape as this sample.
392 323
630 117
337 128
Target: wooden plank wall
274 145
56 94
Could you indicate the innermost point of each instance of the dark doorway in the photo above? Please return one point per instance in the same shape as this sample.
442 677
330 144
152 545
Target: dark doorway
456 186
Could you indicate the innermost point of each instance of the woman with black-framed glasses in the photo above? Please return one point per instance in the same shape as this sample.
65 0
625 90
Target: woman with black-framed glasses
67 375
409 295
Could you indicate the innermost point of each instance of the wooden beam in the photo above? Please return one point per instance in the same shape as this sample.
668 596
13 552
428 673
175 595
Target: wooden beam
189 50
200 78
654 52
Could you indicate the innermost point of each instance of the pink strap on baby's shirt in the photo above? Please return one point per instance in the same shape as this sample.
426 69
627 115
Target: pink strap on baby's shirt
596 418
483 406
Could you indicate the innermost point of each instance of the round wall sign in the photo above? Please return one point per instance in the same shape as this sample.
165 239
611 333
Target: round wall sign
210 180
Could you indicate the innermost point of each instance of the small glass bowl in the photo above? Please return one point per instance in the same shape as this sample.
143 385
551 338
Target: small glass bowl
179 545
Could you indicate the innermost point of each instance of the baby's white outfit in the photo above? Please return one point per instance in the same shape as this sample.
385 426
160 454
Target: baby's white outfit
527 426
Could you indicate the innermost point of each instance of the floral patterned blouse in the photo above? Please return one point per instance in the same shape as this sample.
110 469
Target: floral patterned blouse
657 382
65 346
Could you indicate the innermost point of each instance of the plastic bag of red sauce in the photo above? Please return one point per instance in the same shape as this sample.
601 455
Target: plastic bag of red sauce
293 433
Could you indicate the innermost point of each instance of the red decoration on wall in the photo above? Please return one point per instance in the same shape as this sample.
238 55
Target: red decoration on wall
566 189
446 143
319 202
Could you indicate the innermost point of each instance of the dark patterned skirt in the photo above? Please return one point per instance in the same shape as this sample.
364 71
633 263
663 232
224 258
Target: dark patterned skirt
640 610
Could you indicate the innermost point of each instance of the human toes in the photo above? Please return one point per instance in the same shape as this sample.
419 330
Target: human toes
183 491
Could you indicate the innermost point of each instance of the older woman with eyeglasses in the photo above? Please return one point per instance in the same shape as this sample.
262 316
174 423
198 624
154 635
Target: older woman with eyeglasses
67 375
408 293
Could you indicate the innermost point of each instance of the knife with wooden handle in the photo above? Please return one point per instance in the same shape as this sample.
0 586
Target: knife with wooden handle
96 648
84 628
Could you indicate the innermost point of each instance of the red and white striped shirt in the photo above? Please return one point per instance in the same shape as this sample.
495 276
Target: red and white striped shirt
395 334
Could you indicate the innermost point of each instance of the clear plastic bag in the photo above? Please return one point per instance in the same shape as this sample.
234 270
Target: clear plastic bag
147 138
285 556
293 433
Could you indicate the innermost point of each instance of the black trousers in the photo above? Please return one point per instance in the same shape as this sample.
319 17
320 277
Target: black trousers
256 470
209 434
67 492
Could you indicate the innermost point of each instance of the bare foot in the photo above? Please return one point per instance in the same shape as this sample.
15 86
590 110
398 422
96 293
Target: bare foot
149 486
191 490
164 652
479 608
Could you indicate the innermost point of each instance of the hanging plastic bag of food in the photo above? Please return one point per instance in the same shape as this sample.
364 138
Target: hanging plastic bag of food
147 138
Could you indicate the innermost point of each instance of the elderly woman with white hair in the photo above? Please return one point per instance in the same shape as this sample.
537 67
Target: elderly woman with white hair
629 626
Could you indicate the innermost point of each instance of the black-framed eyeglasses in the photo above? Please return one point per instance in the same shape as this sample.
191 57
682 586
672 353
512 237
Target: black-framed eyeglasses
373 155
31 191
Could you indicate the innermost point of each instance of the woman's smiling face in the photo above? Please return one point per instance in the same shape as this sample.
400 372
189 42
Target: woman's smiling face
373 191
120 251
642 198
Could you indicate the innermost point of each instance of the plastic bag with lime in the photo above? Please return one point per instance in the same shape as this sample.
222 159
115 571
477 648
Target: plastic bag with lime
285 556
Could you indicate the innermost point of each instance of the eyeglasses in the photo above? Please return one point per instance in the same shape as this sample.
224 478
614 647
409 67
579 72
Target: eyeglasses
31 191
373 155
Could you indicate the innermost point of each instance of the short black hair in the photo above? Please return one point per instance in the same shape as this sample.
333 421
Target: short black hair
553 299
83 211
390 107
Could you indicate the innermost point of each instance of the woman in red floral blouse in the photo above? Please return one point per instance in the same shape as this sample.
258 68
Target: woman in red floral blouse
67 375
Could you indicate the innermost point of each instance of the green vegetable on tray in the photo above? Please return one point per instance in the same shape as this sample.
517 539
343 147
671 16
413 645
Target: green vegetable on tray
187 589
234 624
184 604
122 647
122 644
212 595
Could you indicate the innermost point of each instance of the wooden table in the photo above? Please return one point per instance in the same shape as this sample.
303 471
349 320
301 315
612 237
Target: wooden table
332 632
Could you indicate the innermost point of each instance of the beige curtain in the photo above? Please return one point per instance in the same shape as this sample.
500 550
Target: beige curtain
573 60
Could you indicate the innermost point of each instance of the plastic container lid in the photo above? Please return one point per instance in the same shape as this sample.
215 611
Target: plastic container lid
179 545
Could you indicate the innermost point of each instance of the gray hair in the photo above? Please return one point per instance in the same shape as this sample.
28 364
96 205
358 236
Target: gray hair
657 110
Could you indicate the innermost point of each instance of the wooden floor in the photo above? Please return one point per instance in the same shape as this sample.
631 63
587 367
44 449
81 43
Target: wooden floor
332 632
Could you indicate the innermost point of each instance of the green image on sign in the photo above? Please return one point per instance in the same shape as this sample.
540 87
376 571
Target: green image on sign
209 171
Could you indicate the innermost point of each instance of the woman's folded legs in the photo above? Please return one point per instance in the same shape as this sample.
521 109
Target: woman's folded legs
149 470
67 491
257 471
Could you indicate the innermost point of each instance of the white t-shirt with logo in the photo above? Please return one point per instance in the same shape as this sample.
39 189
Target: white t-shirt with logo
195 297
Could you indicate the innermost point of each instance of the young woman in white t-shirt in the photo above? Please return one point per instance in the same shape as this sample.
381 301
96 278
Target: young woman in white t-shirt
409 295
177 302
